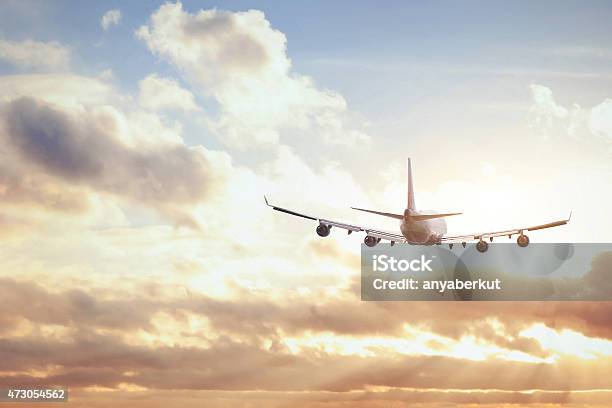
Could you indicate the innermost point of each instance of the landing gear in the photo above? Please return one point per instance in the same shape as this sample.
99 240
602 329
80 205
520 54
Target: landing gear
323 230
370 241
522 240
482 246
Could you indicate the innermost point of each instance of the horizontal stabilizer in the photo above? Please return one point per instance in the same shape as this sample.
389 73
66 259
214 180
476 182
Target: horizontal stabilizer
384 214
423 217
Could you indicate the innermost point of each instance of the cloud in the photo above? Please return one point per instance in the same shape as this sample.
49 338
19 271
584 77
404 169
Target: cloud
71 308
19 188
241 61
12 225
549 117
85 149
545 111
35 55
84 338
157 93
600 120
294 314
109 118
110 18
106 75
64 89
89 359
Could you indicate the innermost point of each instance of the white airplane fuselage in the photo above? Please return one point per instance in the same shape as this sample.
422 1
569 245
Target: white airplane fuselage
426 232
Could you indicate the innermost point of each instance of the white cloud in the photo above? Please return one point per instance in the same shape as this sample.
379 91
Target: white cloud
547 116
110 18
35 55
78 141
64 89
600 120
158 93
106 75
550 118
137 185
545 109
241 61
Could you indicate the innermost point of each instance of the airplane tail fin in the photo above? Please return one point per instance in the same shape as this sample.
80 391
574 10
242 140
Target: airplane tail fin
410 211
410 204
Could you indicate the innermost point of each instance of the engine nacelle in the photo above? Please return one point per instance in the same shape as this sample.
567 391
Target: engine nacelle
482 246
370 241
323 230
522 241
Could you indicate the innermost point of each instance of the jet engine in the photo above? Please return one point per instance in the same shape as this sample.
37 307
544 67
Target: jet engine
522 240
482 246
323 230
370 240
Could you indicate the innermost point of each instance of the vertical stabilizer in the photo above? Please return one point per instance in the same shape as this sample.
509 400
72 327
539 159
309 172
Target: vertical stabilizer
411 205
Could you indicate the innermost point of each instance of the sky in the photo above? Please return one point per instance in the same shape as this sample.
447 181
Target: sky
139 265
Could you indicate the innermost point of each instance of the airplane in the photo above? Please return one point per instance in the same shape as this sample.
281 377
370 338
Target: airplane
417 228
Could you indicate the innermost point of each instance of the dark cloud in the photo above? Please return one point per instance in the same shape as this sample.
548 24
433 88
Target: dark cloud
239 50
239 357
19 187
48 138
350 316
88 359
73 308
256 317
84 149
598 278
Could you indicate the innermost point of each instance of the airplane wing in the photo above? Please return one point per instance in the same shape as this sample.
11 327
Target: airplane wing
378 234
509 233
